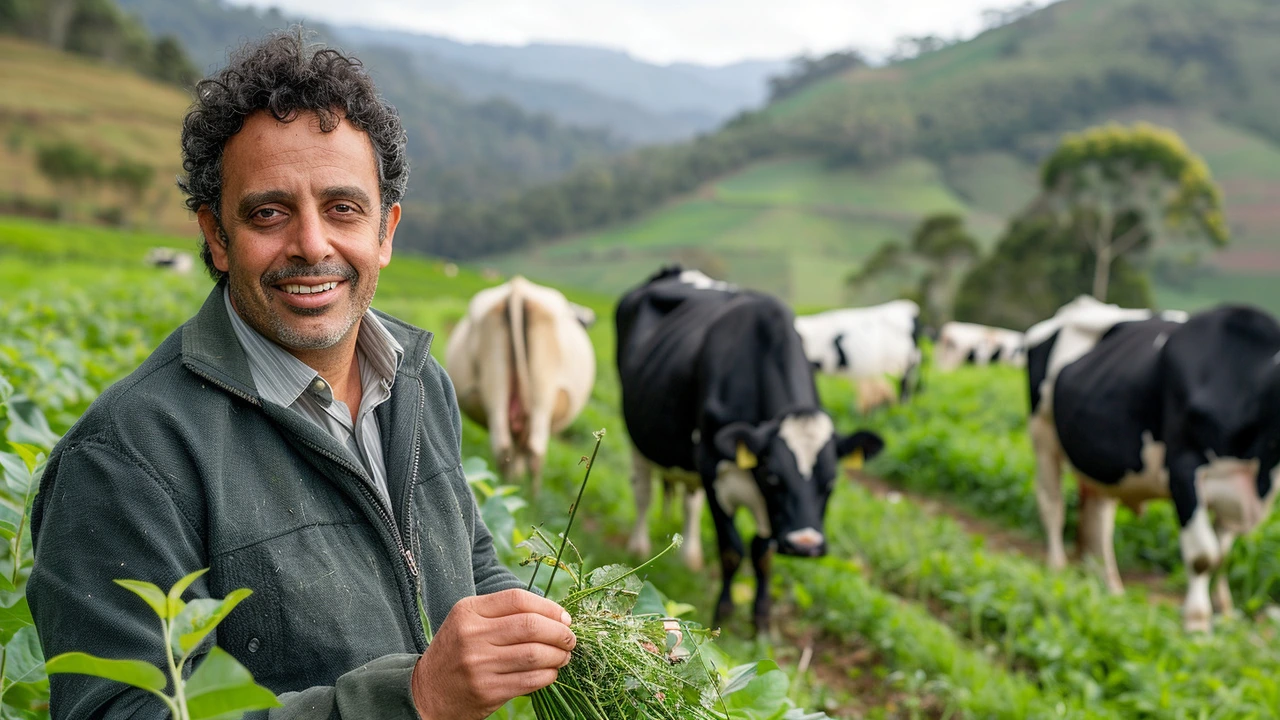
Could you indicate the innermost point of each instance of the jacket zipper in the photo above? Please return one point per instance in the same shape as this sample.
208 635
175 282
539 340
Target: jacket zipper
406 553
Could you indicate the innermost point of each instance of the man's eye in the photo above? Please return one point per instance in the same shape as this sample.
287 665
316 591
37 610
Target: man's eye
344 208
266 213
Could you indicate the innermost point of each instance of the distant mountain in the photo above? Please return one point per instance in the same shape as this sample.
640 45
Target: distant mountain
460 149
717 92
636 102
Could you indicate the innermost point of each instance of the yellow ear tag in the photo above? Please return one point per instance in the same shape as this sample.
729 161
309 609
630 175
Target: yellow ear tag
746 458
854 460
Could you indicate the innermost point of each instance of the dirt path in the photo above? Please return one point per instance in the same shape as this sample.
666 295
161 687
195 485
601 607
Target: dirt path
1003 539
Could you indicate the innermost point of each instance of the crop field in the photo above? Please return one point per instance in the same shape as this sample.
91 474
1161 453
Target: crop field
933 603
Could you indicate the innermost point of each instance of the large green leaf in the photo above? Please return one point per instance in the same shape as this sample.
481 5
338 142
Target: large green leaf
764 697
14 618
28 425
24 661
222 687
502 525
175 593
148 592
200 617
130 672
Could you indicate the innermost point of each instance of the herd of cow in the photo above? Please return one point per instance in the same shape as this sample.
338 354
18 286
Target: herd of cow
719 397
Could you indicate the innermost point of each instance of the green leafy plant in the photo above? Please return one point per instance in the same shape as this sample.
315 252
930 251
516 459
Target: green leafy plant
220 687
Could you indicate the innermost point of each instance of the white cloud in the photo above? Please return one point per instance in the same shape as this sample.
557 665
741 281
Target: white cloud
705 31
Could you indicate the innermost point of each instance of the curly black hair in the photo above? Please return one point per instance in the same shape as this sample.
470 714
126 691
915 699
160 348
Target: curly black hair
285 76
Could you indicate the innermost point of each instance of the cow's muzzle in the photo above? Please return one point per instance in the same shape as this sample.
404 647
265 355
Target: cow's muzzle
803 543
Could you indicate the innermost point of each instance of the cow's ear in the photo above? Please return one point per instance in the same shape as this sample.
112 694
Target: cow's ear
742 442
860 446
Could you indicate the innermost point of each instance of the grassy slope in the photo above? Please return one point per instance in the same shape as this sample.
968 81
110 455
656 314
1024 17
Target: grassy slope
47 96
796 227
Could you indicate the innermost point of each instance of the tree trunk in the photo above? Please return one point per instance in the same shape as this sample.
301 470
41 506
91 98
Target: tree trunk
61 12
1102 272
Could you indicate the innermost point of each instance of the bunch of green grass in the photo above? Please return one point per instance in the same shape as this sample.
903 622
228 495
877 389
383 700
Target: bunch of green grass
626 665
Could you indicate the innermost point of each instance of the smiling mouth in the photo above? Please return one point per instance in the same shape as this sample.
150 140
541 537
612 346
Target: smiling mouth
294 289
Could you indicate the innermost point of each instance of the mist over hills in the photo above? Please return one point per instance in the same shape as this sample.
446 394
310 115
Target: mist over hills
590 88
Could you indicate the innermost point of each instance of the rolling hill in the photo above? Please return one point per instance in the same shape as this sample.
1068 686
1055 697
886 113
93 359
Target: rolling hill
860 157
48 96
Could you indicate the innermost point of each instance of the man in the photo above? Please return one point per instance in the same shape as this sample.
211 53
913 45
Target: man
290 439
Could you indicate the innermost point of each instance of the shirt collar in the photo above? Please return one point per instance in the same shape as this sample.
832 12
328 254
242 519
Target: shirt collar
281 378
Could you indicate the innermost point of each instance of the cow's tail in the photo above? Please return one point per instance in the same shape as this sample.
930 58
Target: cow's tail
519 346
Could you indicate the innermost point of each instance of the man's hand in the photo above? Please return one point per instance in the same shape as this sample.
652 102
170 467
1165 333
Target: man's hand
490 649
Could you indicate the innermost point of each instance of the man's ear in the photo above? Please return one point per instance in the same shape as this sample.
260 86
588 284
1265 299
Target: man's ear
388 235
744 443
211 229
860 446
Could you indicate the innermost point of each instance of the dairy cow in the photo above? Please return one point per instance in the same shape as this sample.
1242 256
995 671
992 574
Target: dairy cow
717 394
960 343
1147 407
866 345
523 366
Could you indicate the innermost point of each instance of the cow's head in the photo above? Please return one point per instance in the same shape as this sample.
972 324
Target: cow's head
792 461
1240 446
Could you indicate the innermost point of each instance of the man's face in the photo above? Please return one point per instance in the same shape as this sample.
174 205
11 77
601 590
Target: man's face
300 208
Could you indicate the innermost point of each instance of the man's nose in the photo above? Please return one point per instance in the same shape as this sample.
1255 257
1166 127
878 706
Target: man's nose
310 243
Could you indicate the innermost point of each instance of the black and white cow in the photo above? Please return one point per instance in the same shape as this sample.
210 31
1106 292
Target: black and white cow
717 394
961 343
866 345
1146 407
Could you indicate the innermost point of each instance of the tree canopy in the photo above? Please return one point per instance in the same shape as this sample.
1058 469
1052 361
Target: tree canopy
1123 189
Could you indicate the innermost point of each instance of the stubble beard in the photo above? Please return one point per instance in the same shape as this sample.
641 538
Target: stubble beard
257 312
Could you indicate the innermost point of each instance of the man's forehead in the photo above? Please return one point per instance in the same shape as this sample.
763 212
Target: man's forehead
266 147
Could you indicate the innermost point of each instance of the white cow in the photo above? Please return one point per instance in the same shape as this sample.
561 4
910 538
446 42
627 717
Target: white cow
961 342
865 345
523 365
178 261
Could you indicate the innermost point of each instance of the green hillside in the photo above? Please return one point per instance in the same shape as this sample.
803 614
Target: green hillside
48 96
859 158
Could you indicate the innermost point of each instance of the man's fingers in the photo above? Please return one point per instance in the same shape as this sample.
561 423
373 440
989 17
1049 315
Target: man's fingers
529 657
523 683
514 602
530 628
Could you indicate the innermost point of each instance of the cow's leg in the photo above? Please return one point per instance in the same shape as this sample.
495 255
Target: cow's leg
762 564
495 378
1049 487
730 546
1200 555
1221 597
1097 533
694 498
642 490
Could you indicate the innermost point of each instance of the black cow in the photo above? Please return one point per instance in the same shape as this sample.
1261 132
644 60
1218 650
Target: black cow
1149 407
716 392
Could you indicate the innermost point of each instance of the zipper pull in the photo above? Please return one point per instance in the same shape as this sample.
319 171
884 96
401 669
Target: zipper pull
413 566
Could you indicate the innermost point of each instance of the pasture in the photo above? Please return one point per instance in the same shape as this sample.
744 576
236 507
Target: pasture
933 602
797 226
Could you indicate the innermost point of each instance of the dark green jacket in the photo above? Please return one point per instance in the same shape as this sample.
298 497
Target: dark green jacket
182 466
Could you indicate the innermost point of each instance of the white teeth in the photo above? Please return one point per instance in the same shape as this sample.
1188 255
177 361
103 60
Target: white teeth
308 289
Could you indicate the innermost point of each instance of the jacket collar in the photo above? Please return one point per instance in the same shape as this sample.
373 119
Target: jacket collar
210 346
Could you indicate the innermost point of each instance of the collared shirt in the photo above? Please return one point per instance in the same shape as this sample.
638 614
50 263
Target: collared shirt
285 380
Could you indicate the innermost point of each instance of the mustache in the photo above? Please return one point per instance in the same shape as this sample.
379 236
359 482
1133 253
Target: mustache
342 270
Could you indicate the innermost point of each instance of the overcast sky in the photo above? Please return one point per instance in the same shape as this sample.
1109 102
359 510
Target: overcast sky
704 31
